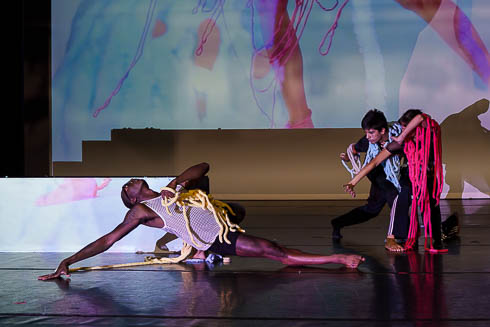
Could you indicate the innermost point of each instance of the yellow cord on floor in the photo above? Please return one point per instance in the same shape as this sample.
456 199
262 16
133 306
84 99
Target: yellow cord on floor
184 253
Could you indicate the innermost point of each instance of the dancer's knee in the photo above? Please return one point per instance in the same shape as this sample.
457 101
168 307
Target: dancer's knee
273 250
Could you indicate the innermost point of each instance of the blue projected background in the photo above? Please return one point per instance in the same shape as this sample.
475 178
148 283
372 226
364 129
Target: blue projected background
234 65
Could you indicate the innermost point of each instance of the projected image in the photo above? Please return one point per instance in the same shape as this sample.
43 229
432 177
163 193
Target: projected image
259 64
72 189
65 214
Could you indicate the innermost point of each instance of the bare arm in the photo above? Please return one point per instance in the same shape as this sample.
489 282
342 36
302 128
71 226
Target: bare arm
190 175
416 121
131 221
382 156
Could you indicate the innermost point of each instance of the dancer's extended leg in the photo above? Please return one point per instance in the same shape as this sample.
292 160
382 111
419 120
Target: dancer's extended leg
251 246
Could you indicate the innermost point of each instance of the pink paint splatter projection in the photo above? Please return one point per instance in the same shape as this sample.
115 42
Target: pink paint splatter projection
159 29
209 44
72 189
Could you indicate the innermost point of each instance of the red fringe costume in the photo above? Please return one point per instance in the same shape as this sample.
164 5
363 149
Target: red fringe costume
418 154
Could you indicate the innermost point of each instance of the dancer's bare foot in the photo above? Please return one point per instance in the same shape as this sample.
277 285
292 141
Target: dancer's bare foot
392 246
350 260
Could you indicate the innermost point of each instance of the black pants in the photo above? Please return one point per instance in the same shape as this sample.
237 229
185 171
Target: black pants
435 211
400 214
402 221
381 192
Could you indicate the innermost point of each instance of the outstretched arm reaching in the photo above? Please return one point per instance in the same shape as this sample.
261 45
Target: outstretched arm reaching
382 156
132 220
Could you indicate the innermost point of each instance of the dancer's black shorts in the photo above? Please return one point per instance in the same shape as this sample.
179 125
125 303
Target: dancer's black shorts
225 248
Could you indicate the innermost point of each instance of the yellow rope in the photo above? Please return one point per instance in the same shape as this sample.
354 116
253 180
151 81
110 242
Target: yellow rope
198 199
184 254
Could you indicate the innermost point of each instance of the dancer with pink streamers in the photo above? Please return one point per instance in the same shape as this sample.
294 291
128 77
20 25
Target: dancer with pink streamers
424 154
421 137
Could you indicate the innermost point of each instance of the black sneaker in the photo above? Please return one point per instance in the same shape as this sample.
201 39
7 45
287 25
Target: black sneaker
336 234
450 227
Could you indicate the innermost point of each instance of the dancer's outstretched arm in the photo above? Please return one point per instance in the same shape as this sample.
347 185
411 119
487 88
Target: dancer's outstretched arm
382 156
132 220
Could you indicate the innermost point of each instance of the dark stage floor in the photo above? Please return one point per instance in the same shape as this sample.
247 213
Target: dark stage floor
416 288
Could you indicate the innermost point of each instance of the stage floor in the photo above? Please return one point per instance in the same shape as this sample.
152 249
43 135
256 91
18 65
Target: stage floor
409 289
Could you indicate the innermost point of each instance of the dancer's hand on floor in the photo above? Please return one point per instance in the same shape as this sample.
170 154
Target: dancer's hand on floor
62 270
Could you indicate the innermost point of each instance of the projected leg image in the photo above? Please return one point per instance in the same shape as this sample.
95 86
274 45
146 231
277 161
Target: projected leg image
285 57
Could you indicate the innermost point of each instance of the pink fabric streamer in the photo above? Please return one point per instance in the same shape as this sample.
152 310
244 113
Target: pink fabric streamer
418 153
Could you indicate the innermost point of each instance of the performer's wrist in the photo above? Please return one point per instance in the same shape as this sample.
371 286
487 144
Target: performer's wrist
173 183
66 262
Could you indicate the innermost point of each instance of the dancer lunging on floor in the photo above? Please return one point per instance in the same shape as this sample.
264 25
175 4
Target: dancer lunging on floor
202 224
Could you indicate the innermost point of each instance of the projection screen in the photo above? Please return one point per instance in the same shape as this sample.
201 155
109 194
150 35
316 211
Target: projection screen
253 64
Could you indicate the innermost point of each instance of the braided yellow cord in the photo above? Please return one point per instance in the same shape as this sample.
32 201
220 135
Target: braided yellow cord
198 199
165 202
184 254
